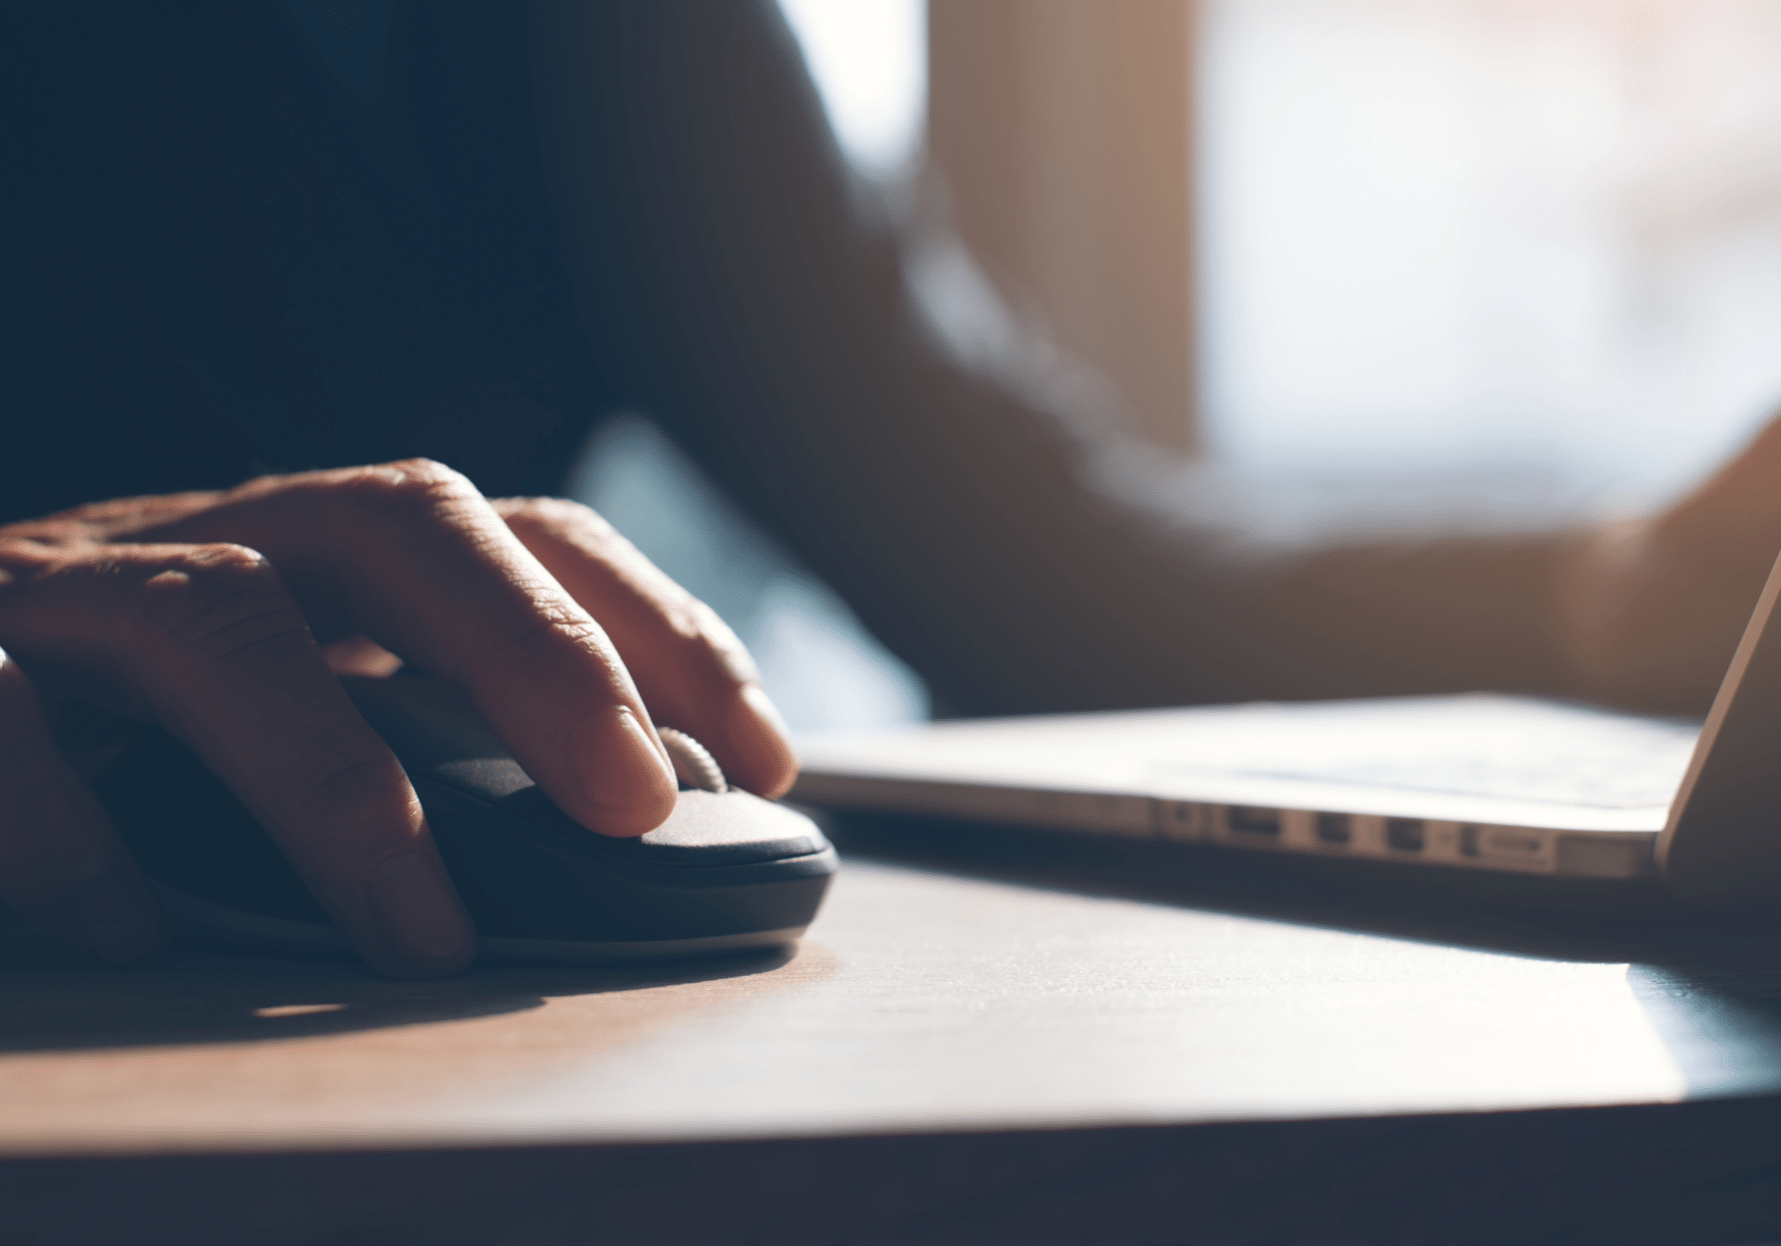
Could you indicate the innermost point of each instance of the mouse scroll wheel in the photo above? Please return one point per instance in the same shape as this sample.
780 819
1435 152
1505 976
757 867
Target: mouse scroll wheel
693 765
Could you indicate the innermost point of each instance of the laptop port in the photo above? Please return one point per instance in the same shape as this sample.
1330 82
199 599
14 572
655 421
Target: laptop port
1468 840
1252 819
1182 820
1334 828
1510 841
1404 834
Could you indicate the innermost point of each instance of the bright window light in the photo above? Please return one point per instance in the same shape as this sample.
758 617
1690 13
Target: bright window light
1440 235
869 59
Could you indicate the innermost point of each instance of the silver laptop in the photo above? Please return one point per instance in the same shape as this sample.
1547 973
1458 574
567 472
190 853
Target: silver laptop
1474 782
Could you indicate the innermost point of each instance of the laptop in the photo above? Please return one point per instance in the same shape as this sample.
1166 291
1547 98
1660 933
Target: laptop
1505 784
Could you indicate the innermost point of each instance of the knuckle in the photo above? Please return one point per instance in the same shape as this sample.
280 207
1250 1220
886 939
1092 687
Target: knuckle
704 643
422 473
213 599
404 489
552 635
687 633
337 771
559 515
207 572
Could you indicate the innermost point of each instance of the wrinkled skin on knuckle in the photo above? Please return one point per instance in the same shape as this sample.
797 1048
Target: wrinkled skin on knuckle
559 519
571 526
332 780
701 651
685 628
541 513
554 634
402 492
719 644
213 600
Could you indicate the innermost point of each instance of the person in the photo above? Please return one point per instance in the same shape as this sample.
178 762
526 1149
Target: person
326 293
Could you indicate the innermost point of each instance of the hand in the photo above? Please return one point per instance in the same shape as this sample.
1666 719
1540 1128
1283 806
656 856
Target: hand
209 613
1650 611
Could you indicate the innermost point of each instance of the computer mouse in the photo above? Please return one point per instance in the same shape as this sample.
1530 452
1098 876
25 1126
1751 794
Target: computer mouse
728 871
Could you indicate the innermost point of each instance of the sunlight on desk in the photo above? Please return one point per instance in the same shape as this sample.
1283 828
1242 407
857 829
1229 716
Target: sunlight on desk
919 1000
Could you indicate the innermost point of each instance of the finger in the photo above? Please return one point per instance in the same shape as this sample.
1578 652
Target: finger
220 652
692 670
414 557
111 520
62 866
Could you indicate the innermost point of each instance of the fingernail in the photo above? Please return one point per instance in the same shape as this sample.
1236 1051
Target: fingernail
117 923
415 908
621 767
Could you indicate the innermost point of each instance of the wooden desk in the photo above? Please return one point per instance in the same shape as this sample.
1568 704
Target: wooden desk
1097 1049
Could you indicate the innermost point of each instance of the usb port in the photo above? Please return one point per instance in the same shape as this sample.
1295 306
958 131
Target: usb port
1252 819
1334 828
1404 834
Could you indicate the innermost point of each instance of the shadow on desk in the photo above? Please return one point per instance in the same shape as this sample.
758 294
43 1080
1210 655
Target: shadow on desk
1514 914
1641 1172
52 998
1711 984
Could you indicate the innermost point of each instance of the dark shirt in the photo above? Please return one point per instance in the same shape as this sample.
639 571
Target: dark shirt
229 252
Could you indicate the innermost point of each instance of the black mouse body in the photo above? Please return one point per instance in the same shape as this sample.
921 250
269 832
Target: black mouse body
727 872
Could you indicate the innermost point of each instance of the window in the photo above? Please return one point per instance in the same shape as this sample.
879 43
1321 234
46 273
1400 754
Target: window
1440 235
869 59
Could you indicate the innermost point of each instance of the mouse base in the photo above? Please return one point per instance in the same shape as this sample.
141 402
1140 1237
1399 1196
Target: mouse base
254 931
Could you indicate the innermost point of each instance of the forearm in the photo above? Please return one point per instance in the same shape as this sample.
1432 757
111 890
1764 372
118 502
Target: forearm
717 251
984 548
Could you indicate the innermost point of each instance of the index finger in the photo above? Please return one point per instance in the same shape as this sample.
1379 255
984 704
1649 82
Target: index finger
692 668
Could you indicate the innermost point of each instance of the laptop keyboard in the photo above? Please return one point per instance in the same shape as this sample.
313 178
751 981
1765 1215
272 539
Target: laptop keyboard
1570 778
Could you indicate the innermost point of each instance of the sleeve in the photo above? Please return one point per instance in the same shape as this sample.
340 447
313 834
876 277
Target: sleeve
991 530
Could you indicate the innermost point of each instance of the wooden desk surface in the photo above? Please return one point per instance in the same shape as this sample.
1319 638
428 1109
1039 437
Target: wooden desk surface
924 1001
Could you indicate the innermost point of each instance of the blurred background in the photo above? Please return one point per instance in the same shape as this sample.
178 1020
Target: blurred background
1527 251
